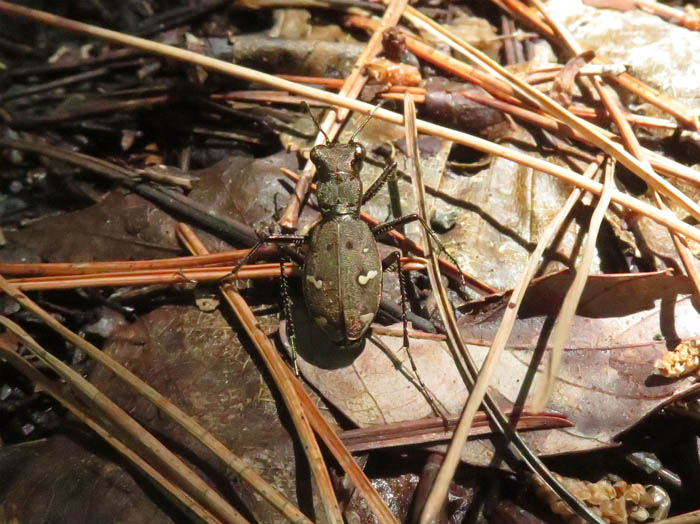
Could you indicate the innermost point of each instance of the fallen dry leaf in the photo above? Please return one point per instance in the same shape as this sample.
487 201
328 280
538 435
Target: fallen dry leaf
606 384
128 226
73 478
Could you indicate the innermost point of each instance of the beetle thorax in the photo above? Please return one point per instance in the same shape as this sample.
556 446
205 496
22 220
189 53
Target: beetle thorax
340 195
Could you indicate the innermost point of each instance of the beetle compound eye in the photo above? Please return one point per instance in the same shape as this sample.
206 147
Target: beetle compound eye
314 155
358 157
360 152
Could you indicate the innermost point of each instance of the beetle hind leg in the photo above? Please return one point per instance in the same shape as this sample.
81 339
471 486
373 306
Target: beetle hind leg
392 262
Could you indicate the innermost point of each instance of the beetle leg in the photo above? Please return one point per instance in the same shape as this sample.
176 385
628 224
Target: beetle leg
391 224
271 239
377 184
287 308
415 379
392 262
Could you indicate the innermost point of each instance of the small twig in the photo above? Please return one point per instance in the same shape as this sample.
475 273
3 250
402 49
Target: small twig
38 378
87 63
159 174
80 268
61 82
398 332
548 73
430 430
337 83
591 113
85 111
513 48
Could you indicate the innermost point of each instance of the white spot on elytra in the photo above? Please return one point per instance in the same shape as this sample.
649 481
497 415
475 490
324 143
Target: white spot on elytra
367 318
363 279
365 250
321 321
318 284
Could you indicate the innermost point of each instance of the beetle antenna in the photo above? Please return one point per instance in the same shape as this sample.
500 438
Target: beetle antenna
369 117
318 126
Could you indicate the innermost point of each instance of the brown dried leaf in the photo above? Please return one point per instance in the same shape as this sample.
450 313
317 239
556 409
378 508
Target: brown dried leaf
198 362
501 210
125 226
67 479
606 384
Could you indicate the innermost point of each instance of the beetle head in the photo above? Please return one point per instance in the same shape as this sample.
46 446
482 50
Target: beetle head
337 158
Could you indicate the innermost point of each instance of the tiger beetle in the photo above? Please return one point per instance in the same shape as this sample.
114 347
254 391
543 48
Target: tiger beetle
342 270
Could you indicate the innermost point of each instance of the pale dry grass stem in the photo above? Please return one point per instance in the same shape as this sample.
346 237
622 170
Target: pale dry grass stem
562 325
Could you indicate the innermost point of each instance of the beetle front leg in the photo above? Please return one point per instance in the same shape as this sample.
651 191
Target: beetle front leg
391 224
388 172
